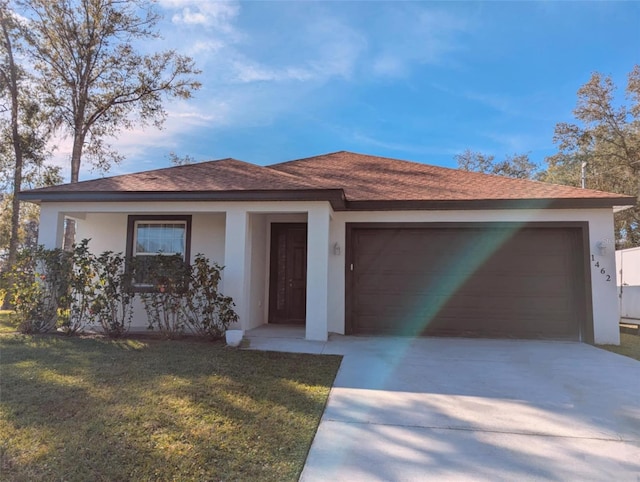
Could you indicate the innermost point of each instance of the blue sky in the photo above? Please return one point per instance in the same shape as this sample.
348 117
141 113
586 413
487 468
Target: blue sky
416 80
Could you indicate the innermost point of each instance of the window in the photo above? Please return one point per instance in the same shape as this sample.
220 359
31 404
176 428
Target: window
154 238
149 237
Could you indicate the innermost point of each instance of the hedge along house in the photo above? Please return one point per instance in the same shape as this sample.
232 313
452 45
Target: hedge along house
357 244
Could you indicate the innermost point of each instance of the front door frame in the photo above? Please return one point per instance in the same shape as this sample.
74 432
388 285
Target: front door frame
285 315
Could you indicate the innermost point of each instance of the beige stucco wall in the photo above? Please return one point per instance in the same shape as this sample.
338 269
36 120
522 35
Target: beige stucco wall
237 235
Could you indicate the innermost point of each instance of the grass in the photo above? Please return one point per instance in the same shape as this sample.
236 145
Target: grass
78 409
629 346
7 324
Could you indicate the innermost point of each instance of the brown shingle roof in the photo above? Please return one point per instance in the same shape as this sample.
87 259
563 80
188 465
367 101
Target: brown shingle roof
221 175
372 178
347 179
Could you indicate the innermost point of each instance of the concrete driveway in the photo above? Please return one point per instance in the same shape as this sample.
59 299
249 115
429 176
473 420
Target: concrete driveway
462 409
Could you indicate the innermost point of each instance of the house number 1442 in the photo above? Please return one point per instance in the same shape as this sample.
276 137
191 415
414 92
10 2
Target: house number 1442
603 272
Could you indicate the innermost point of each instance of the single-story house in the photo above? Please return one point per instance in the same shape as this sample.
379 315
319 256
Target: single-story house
359 244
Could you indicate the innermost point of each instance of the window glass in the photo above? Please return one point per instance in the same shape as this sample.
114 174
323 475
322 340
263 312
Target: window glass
154 244
160 238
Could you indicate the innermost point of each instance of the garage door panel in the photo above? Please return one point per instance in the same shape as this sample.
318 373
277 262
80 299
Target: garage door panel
465 284
513 285
490 282
521 308
406 259
529 264
470 324
428 264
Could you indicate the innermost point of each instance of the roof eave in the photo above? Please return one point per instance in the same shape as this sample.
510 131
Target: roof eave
480 204
334 196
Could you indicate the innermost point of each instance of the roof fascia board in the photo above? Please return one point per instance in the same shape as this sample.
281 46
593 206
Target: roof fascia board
334 196
481 204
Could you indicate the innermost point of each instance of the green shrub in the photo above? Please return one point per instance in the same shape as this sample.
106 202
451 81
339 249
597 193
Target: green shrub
206 311
72 290
186 298
112 303
76 315
40 288
166 295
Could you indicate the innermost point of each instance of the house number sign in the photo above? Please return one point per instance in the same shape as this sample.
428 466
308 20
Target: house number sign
603 272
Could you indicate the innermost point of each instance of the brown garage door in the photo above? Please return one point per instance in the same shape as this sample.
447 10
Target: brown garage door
492 280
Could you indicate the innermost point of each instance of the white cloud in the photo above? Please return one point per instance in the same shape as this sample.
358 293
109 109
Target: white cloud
250 71
513 143
389 65
410 148
315 47
321 49
416 36
205 47
206 13
311 42
190 18
498 102
340 47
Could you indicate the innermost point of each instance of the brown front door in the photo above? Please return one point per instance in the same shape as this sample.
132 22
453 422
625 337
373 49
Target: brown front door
288 277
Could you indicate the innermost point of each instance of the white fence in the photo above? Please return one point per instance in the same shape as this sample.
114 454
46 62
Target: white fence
628 278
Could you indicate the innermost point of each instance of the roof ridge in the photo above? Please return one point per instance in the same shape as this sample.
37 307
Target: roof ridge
313 157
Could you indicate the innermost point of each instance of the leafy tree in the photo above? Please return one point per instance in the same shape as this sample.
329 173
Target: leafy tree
93 76
9 78
606 137
27 228
177 160
23 137
475 161
517 165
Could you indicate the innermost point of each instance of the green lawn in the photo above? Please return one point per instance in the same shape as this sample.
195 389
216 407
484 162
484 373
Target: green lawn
629 346
7 325
79 409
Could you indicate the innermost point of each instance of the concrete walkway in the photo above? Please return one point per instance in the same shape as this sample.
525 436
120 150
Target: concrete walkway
462 409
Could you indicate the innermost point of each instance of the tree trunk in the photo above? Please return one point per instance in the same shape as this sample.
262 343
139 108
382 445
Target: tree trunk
17 175
76 155
12 82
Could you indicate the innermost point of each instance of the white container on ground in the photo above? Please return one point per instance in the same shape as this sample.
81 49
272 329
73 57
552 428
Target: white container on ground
234 337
